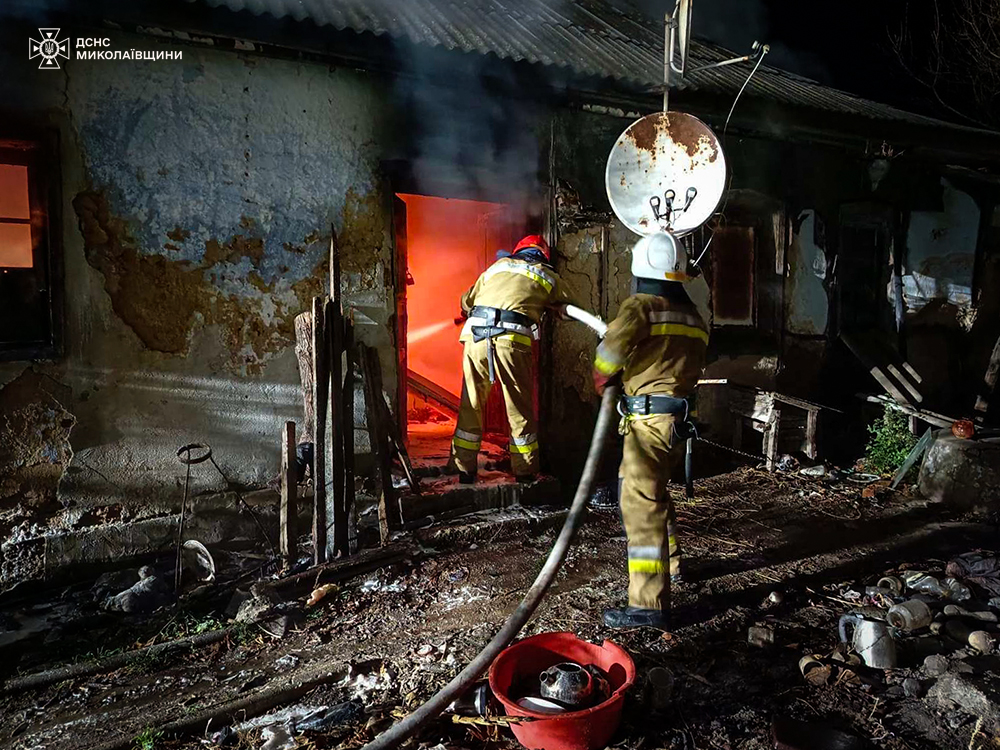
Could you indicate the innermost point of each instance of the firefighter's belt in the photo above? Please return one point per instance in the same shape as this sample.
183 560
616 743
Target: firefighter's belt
491 322
655 403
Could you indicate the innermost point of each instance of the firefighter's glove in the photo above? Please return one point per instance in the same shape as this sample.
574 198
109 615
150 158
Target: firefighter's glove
600 381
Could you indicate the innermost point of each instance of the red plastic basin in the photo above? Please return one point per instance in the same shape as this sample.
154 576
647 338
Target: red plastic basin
516 670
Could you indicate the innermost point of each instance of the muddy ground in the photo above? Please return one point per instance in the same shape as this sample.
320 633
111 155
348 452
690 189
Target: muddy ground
770 550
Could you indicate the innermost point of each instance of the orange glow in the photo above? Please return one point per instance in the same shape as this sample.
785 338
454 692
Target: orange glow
15 246
14 192
449 243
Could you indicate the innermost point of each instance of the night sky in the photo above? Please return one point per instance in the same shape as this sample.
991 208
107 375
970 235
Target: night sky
845 44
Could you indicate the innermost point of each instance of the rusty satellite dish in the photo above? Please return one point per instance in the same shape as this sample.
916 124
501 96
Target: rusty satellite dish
666 172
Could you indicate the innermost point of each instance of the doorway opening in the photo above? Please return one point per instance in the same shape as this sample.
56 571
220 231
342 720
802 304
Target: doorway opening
444 245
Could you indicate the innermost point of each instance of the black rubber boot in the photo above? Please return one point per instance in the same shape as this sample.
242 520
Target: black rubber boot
635 617
465 478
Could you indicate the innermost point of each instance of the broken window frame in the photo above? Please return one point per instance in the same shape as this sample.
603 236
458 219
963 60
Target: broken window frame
39 152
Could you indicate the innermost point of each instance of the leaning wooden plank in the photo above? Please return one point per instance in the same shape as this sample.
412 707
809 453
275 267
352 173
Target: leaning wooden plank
989 383
372 374
400 447
917 452
930 417
875 370
215 717
910 387
287 536
321 369
349 543
335 500
111 663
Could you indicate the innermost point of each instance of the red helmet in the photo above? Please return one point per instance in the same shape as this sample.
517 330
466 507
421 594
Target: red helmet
536 241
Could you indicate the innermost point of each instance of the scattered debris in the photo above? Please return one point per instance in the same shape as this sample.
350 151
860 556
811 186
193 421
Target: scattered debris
760 636
149 593
790 734
320 593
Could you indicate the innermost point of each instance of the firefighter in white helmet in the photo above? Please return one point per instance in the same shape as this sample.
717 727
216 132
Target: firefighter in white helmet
658 343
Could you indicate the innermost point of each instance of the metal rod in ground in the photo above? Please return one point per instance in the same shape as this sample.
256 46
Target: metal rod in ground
321 381
397 734
180 526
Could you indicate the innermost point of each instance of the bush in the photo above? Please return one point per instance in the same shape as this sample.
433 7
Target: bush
890 442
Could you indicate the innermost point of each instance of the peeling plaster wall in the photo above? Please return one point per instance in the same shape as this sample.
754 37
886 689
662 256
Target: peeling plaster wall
198 196
941 252
808 308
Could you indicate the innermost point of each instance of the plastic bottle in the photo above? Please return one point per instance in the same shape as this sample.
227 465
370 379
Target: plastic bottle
949 588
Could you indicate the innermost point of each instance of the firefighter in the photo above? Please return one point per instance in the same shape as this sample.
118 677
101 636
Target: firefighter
502 310
658 343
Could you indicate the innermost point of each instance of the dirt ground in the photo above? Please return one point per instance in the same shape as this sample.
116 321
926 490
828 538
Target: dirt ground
777 551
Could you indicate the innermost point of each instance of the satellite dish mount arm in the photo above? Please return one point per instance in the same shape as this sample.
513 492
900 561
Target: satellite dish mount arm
676 33
676 36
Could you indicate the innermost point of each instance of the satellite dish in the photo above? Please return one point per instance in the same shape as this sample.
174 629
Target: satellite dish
666 172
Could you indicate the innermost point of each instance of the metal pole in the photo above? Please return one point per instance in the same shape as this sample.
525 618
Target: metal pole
668 45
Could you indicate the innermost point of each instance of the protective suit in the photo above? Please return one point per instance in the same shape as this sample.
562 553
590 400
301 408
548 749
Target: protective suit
658 343
503 310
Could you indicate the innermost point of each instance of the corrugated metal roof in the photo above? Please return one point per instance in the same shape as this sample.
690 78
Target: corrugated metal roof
590 37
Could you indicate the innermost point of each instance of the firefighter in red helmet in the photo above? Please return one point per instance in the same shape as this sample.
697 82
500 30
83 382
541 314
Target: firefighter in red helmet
502 312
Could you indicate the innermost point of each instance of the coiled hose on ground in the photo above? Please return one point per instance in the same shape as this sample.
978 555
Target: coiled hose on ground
406 728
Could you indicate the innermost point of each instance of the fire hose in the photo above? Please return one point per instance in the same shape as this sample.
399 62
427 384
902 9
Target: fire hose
406 728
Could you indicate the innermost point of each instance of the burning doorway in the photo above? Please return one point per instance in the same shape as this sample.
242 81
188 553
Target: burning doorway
443 244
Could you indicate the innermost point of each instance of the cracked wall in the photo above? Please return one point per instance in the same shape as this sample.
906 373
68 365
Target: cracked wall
198 197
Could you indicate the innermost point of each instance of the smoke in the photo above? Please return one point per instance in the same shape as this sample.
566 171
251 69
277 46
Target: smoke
470 130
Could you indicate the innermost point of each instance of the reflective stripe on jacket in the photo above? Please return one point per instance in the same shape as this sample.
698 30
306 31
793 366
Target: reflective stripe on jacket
660 344
518 286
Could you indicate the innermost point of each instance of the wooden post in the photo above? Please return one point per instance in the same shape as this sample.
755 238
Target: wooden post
321 381
287 536
771 439
348 543
335 338
377 431
307 372
812 425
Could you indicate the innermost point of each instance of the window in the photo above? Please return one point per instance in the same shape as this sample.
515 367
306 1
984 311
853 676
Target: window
732 282
30 312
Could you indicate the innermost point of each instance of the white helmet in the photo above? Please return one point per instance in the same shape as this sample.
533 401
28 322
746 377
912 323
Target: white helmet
661 257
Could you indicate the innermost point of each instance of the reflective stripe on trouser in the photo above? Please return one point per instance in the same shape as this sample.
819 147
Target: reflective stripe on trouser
515 373
648 509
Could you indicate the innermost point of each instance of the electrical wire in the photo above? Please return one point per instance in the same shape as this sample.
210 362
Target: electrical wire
725 130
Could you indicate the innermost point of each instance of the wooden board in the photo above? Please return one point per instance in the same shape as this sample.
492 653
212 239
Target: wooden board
287 535
350 544
321 381
379 438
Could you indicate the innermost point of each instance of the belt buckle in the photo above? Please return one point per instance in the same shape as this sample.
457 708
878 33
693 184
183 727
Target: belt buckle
646 405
